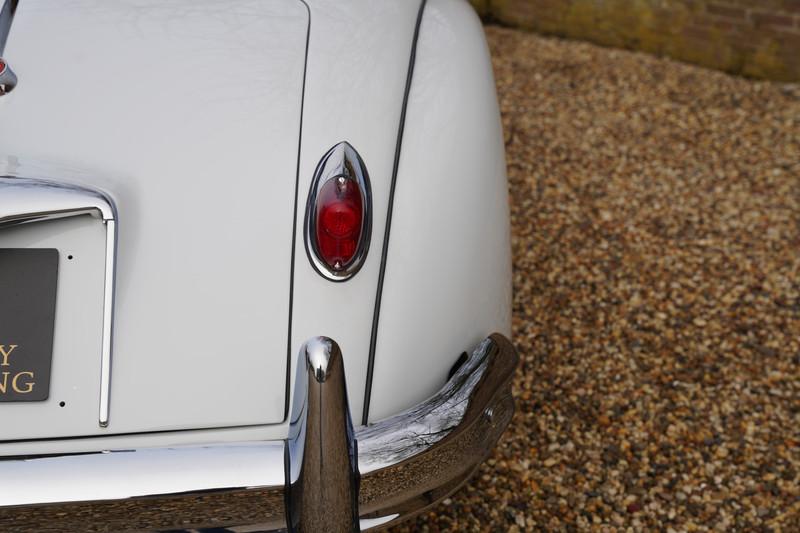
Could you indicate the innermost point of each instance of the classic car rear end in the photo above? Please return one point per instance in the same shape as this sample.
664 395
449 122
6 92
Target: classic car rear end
181 345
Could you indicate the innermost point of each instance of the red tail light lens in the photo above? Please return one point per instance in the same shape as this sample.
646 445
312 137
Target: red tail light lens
339 214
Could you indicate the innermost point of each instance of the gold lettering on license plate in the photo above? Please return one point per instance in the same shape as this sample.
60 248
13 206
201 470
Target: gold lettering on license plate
21 382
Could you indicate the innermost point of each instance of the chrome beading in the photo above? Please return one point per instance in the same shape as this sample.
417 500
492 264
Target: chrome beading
342 163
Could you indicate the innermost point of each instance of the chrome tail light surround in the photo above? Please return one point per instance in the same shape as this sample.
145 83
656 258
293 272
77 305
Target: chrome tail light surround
343 164
8 80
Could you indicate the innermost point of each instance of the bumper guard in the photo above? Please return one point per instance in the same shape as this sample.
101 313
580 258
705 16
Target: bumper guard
326 476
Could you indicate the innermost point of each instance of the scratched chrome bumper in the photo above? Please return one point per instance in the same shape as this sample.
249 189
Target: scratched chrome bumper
324 477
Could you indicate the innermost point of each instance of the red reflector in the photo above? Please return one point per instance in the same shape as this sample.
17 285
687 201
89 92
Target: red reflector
2 66
339 221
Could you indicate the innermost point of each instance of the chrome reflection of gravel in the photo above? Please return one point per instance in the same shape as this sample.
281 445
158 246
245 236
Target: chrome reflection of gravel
656 226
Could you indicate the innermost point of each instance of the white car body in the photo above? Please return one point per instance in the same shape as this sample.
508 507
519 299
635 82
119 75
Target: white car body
201 123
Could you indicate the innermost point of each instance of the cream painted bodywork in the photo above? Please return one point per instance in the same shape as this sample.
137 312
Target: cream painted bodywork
448 277
188 114
370 41
196 138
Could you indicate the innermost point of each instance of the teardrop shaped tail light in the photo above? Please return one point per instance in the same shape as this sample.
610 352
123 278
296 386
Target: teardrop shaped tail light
338 220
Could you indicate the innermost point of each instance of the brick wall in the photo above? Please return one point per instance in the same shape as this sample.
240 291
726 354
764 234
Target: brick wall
758 38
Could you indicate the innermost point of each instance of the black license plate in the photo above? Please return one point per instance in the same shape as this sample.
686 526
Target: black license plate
28 279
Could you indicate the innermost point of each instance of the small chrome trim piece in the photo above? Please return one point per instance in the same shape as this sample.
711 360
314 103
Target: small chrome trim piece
25 200
341 162
399 467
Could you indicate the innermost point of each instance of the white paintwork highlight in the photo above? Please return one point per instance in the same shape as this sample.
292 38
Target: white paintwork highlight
366 523
145 472
448 279
188 114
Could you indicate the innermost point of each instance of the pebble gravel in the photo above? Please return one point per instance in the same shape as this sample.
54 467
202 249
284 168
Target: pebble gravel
656 243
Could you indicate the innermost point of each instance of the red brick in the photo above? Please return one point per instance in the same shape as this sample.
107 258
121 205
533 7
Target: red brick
764 5
791 5
789 42
717 33
726 10
696 33
761 18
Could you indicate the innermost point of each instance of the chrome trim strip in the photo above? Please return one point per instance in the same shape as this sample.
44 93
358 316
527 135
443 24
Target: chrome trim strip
340 162
25 200
407 463
108 322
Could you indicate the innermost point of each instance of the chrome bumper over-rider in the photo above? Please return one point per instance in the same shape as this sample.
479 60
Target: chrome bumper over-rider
325 477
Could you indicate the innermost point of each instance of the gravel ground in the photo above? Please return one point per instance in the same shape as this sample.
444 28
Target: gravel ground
656 235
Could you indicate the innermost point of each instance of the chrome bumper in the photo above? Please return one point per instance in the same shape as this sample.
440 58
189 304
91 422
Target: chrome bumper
324 477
